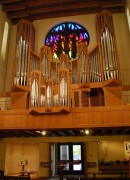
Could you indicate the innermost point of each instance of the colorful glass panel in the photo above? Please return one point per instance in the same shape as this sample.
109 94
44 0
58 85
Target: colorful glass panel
64 38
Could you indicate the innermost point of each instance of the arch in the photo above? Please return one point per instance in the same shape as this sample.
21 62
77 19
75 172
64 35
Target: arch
64 37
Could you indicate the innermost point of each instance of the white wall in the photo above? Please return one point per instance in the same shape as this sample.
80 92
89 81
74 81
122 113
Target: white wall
111 150
3 63
11 55
2 154
15 152
123 44
44 156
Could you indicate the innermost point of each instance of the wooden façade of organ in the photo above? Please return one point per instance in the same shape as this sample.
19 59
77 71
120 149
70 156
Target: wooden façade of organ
43 84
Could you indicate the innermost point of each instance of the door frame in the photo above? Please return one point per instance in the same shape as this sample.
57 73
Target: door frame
71 171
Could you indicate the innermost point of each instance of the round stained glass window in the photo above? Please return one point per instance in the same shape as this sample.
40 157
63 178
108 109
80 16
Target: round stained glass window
64 38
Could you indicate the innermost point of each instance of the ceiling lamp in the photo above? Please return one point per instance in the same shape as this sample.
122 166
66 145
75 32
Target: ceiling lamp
87 132
43 133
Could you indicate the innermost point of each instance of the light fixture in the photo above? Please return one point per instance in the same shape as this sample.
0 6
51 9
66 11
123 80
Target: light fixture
87 132
38 132
43 133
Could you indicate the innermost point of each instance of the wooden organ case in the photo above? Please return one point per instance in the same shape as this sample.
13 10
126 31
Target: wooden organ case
47 85
111 75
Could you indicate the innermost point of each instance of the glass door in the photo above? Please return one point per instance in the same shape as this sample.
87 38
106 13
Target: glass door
71 155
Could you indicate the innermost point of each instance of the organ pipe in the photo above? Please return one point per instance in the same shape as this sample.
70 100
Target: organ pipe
34 93
21 62
94 66
25 34
49 96
63 92
83 63
107 43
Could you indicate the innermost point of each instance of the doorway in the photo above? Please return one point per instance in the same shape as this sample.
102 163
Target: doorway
73 154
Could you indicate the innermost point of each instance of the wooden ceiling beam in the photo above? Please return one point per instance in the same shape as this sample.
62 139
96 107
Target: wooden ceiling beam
14 6
39 9
78 7
51 9
63 4
18 14
106 5
9 1
61 8
33 3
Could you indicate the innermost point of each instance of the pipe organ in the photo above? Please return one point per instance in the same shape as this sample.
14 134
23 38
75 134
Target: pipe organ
94 66
49 93
45 62
34 91
83 63
107 43
25 32
65 83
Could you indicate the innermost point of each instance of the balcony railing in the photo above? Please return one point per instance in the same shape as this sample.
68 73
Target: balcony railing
5 102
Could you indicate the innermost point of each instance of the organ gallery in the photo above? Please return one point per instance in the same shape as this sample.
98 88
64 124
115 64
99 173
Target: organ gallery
44 83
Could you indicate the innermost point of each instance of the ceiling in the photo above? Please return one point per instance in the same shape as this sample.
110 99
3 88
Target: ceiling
65 133
44 9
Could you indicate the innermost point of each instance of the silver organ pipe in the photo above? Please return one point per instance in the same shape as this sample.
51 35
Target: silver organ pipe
17 67
99 67
110 65
94 69
105 61
83 68
114 57
49 96
42 100
63 92
53 76
34 62
94 65
109 52
55 100
42 96
21 62
25 65
34 93
45 67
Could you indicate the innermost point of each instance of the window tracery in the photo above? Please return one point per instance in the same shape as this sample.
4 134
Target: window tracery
64 38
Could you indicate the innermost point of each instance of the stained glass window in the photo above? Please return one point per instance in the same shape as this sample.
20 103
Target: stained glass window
64 38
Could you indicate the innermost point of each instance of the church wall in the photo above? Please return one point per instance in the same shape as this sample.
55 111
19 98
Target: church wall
2 154
25 157
11 55
128 4
92 154
111 151
44 158
123 44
